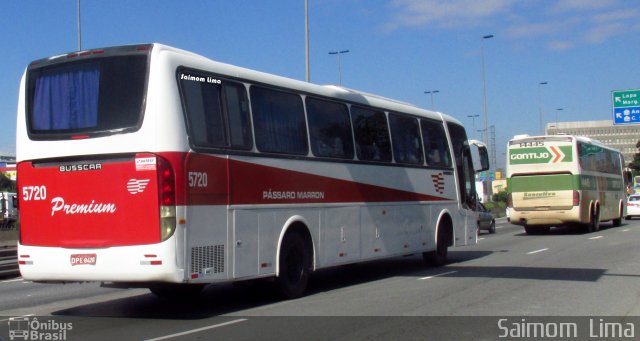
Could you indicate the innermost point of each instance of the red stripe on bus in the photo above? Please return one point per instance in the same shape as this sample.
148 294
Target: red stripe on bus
250 183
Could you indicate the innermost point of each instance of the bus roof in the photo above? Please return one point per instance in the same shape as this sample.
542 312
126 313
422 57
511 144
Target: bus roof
559 137
194 60
333 91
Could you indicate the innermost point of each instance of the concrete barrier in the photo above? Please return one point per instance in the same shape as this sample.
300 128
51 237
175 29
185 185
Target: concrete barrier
9 253
9 262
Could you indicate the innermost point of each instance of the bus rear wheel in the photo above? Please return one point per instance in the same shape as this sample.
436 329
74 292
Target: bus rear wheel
295 266
594 222
528 229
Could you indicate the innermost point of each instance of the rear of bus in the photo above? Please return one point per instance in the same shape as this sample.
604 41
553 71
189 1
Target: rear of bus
542 181
98 162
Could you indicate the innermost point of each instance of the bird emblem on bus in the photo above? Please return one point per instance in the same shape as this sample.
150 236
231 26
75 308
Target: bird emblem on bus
135 186
438 182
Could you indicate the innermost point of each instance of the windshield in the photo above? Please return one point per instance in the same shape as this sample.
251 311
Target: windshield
92 97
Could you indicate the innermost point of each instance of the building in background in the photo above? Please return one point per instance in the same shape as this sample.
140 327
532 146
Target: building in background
8 167
620 137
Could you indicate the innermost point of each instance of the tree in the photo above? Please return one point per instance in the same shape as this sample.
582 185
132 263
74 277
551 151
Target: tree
6 184
501 196
635 163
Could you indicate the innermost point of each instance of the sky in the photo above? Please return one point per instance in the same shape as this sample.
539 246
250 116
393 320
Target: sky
582 49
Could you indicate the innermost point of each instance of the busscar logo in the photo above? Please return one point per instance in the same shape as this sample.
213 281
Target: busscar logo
80 167
25 328
135 186
438 182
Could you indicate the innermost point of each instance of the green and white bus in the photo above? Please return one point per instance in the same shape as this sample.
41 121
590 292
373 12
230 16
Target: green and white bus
564 180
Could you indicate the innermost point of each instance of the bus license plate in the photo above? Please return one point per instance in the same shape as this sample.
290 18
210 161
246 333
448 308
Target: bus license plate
84 259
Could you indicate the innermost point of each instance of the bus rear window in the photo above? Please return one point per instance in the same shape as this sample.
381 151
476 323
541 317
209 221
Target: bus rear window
91 97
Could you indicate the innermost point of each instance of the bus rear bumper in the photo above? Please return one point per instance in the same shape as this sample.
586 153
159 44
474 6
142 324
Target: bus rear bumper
140 263
546 218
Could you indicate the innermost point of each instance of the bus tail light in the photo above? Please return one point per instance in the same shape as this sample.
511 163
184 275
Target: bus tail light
167 198
576 198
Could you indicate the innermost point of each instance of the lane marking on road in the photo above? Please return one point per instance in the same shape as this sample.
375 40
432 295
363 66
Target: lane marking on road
438 275
480 238
626 230
187 332
17 317
596 237
536 251
12 280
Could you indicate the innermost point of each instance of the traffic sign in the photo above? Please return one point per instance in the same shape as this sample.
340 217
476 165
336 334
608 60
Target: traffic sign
626 106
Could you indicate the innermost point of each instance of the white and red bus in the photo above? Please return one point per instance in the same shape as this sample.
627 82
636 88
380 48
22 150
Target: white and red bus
151 166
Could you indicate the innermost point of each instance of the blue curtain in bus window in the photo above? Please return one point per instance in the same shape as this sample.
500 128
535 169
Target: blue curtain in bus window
66 99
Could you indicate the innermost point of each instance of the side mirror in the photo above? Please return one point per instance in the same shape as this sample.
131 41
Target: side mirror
479 156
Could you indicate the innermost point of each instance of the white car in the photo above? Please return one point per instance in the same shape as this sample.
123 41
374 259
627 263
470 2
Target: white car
633 206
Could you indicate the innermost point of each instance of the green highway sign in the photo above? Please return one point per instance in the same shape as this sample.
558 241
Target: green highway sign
626 98
626 106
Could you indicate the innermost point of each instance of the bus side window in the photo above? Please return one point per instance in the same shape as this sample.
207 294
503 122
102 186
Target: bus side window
236 106
279 121
217 115
330 129
198 101
371 134
435 143
405 134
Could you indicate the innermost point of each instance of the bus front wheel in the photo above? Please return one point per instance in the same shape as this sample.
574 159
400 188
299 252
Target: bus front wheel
438 257
295 266
618 221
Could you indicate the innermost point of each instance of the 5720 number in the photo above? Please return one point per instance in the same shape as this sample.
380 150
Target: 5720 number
34 193
198 179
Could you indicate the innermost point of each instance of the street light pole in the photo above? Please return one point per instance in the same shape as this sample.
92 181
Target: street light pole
431 93
484 86
473 122
338 53
486 185
306 39
481 131
540 105
79 30
557 112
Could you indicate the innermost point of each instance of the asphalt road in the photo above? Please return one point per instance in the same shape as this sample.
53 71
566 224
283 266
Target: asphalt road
509 275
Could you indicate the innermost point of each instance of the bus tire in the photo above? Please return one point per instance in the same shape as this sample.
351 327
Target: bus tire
295 266
594 222
438 257
618 221
535 230
529 230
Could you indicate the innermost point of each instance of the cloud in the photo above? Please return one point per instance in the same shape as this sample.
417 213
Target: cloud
559 24
560 45
563 6
529 30
417 13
